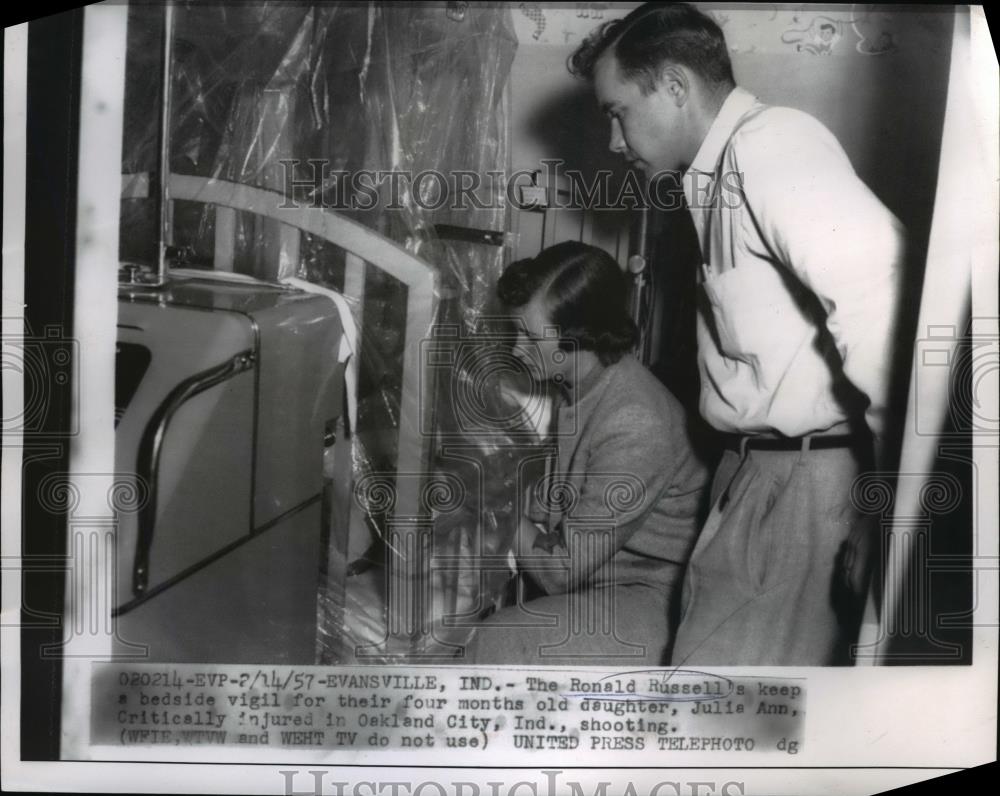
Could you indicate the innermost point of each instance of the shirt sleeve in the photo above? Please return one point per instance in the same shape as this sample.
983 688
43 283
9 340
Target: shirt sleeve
635 460
827 227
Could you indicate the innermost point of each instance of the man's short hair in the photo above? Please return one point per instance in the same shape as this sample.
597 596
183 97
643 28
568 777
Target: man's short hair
586 293
650 37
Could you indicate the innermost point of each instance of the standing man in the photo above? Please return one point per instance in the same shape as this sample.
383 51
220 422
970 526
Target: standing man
797 292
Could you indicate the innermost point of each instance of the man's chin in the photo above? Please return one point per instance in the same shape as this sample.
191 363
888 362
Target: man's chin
673 174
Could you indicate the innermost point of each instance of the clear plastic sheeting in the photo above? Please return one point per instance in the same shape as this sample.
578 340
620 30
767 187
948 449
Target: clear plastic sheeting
393 116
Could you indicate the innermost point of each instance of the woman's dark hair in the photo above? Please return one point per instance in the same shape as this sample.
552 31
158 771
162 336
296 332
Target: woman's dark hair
653 35
585 291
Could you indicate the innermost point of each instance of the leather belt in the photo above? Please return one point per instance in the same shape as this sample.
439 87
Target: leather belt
739 443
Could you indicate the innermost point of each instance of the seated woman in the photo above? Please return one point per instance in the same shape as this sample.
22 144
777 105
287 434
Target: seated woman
623 501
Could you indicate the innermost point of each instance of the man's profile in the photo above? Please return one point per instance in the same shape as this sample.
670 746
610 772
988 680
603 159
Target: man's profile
797 294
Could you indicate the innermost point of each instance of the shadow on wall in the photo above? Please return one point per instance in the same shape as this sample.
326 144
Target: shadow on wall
568 127
571 127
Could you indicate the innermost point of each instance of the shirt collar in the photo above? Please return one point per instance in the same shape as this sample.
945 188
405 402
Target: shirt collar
736 105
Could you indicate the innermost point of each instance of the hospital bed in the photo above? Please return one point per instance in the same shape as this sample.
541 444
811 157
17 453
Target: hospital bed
232 404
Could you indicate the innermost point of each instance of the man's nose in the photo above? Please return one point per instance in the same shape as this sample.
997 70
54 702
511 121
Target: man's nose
618 145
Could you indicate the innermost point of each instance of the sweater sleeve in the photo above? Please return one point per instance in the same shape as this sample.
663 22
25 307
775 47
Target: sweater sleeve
635 457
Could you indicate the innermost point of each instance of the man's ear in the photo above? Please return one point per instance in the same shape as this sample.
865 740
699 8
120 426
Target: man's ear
675 83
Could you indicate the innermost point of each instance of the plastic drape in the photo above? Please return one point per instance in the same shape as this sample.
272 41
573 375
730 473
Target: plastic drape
302 100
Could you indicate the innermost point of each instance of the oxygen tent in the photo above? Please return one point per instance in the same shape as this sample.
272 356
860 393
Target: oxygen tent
339 108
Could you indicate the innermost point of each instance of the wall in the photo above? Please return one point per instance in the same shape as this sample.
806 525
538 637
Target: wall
879 84
553 115
878 80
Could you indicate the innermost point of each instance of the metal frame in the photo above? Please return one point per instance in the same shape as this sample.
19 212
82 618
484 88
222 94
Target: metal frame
151 445
363 246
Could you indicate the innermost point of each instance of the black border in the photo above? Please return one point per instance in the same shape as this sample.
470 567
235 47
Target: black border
55 46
